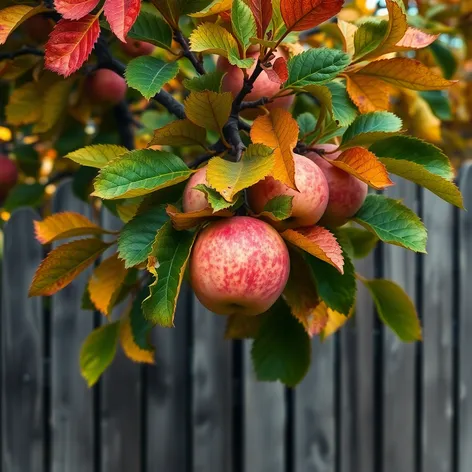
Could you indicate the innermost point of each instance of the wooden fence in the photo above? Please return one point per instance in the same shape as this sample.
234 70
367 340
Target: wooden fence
369 403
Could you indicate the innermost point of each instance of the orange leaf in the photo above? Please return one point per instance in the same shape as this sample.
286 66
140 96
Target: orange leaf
70 44
317 319
278 73
262 11
318 242
335 321
368 93
278 130
364 165
415 39
131 349
105 283
12 17
74 9
305 14
64 225
407 73
63 264
182 221
121 15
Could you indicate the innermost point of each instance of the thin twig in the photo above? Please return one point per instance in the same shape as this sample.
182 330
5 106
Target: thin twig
22 52
124 123
182 40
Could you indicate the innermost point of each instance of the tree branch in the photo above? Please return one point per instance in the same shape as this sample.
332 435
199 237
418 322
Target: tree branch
247 88
255 103
124 123
231 133
22 52
182 40
169 102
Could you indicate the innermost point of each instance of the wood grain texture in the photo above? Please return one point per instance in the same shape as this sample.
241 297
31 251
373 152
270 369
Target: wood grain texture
212 393
22 350
72 431
314 412
399 358
465 323
264 421
437 296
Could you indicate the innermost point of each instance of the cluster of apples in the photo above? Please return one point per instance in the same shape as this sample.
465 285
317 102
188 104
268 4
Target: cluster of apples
240 265
8 176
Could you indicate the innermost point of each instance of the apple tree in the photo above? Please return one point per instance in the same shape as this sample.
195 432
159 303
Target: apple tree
237 153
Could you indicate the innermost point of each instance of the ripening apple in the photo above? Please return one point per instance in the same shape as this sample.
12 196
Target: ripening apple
107 87
308 203
194 200
135 48
8 176
263 86
346 192
239 266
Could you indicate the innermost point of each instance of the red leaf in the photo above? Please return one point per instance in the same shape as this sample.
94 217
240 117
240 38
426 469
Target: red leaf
305 14
71 43
226 16
75 9
262 11
278 73
121 14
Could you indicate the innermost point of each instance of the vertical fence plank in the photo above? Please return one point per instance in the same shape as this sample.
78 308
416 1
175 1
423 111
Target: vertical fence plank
264 421
72 431
399 358
357 382
212 393
121 442
168 394
22 349
437 334
465 323
314 412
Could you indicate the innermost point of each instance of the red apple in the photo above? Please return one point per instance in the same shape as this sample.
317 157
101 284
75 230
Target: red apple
239 265
194 200
106 86
135 48
308 203
8 176
263 86
346 192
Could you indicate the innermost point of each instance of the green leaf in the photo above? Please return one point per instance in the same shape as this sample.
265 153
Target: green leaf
151 29
278 208
395 309
140 172
337 290
282 349
210 81
98 352
137 236
216 201
24 195
368 37
306 124
392 222
370 127
98 155
171 250
361 242
243 22
445 59
408 148
315 66
322 94
148 74
344 110
140 326
438 101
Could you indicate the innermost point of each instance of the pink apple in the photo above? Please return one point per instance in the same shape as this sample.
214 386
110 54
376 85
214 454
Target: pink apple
135 48
346 192
194 200
239 265
263 86
308 203
8 176
106 86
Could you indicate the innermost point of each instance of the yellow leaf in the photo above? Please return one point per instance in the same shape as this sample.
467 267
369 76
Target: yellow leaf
335 322
12 17
25 105
179 133
318 242
208 109
13 69
98 155
316 321
423 123
364 165
128 208
64 225
182 221
131 349
407 73
228 178
278 130
368 93
348 30
55 102
5 134
105 284
215 7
